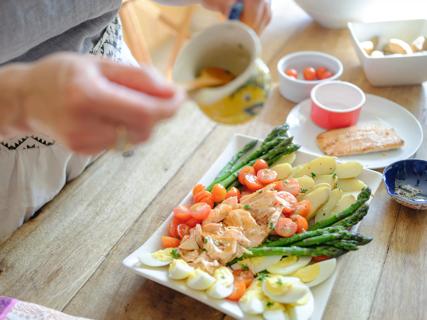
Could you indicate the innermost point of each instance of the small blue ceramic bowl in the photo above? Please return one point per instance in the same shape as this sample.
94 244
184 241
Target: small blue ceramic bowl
406 182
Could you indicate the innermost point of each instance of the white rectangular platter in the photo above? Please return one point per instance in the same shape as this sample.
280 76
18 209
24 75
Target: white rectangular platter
321 292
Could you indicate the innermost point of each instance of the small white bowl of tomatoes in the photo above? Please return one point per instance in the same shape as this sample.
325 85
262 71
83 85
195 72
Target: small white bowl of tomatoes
299 72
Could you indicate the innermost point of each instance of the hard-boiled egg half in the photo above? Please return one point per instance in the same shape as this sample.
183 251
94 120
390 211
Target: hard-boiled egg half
200 280
316 273
159 258
223 285
288 265
179 269
259 264
253 301
284 289
303 310
275 311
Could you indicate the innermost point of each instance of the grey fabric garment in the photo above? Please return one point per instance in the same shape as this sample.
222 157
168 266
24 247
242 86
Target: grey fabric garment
31 29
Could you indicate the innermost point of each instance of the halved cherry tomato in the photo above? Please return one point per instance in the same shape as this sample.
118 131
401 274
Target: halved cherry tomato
170 242
303 208
292 73
320 258
233 192
172 227
309 74
320 71
200 211
218 193
278 185
238 291
266 176
302 223
244 171
201 195
192 222
291 185
198 188
325 75
260 164
290 200
206 198
252 182
246 275
285 227
182 229
182 213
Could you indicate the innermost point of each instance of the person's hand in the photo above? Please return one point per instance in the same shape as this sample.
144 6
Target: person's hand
82 101
256 13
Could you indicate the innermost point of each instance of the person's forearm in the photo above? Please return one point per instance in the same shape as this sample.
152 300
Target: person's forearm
11 98
177 2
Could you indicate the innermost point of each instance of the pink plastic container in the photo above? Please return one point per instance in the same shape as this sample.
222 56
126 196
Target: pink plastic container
336 104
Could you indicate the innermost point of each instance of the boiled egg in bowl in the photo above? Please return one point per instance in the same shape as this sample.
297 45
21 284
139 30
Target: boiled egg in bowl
284 289
223 285
200 280
159 258
288 265
179 269
316 273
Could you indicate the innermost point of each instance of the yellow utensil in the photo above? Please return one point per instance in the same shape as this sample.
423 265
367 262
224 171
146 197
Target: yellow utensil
210 77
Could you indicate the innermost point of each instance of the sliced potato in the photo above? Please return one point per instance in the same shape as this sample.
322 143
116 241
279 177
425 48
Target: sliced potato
377 54
368 46
397 46
283 170
343 203
322 185
348 170
350 185
317 198
298 171
320 166
325 210
287 158
330 179
306 183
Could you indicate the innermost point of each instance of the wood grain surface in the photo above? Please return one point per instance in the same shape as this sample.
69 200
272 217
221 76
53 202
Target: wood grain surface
69 257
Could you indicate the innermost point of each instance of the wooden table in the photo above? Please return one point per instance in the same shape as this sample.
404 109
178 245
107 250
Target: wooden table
69 257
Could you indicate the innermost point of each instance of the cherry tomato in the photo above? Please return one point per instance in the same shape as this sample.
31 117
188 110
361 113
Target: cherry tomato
244 171
208 200
290 202
309 74
252 182
200 211
170 242
233 192
320 258
278 185
182 213
302 223
303 208
292 73
260 164
320 71
201 195
266 176
246 275
292 186
285 227
182 230
238 291
218 193
325 75
198 188
172 231
192 222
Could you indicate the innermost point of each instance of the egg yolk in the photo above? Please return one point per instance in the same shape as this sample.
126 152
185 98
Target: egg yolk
277 285
309 273
162 255
285 262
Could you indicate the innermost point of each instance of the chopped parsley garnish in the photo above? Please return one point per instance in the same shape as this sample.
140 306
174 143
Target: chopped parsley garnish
244 267
334 175
271 225
263 275
279 281
313 175
303 190
269 304
247 207
205 240
175 254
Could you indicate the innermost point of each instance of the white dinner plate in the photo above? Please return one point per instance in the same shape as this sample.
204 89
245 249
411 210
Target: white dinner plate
160 275
304 131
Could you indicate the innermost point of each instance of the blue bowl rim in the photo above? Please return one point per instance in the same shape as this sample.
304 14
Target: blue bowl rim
394 195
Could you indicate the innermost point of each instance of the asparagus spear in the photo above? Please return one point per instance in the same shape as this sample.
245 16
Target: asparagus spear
290 149
313 241
354 218
361 199
301 236
347 245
